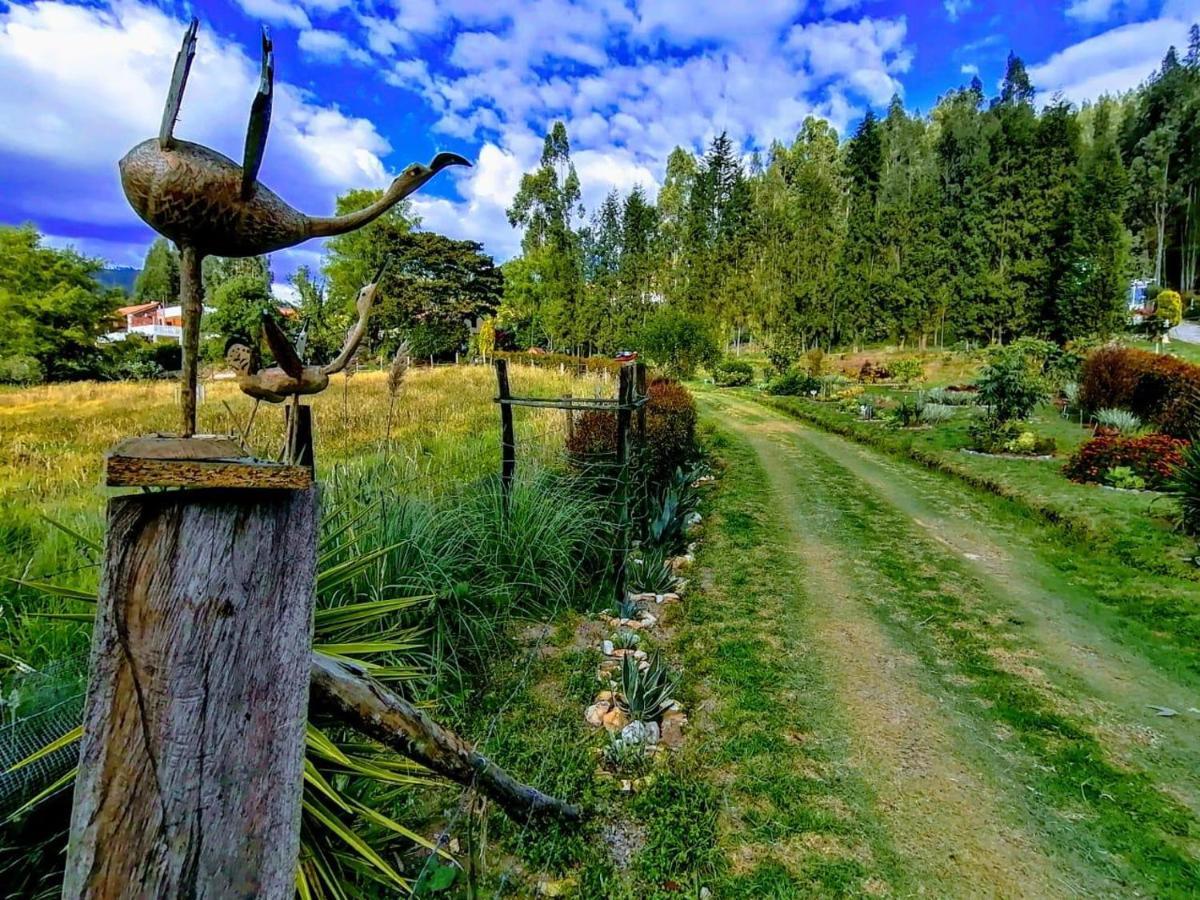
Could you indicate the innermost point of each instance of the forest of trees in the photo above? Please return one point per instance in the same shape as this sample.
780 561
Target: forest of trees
987 219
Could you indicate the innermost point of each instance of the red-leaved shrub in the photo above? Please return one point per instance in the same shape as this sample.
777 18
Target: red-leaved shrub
670 427
595 434
1153 456
1162 390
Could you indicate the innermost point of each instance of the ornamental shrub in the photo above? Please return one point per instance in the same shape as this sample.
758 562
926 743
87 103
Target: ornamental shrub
670 428
1168 306
732 373
19 369
908 369
793 383
594 434
1161 390
1008 389
1154 457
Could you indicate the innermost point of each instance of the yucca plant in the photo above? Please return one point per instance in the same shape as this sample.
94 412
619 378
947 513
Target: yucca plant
1121 421
627 607
1184 488
644 696
669 511
345 838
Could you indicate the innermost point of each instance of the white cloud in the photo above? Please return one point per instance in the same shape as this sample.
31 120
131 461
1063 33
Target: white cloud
331 46
277 12
969 69
955 8
1109 63
1096 11
66 127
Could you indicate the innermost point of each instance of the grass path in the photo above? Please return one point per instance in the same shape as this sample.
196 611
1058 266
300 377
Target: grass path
997 723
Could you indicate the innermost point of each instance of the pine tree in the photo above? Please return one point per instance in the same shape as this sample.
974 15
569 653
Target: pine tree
158 282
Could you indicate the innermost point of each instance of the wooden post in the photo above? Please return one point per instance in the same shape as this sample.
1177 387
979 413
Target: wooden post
624 415
303 453
640 386
570 419
191 303
191 764
508 439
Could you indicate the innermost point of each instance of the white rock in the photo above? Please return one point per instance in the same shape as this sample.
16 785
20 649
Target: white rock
653 733
607 647
692 519
596 712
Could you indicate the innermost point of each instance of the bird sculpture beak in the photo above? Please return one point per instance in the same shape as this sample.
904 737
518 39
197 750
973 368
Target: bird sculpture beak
379 276
443 160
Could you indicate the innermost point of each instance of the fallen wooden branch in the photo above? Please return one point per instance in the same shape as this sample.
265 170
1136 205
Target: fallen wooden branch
365 705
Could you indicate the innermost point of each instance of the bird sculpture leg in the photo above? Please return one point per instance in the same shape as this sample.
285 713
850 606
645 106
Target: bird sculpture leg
191 301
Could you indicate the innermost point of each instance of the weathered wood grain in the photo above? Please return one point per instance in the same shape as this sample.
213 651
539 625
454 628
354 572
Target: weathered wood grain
191 764
214 461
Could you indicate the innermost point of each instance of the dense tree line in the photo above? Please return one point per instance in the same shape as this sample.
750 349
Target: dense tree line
982 221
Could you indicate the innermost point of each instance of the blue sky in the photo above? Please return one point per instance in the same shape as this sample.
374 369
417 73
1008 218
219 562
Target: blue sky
365 87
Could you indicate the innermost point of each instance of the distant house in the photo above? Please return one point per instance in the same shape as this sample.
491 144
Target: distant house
151 320
160 323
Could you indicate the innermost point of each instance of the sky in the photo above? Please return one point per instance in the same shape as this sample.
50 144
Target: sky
364 87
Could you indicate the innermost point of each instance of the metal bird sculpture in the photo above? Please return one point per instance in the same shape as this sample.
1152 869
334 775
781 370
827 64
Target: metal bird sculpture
291 377
209 205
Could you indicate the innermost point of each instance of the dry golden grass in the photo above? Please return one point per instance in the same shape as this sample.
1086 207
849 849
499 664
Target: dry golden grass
445 424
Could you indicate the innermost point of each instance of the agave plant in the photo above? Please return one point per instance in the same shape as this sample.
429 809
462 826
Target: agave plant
669 512
1121 421
626 639
649 573
345 838
645 696
627 607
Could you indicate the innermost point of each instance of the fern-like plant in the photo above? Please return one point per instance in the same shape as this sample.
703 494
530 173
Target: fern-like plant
644 696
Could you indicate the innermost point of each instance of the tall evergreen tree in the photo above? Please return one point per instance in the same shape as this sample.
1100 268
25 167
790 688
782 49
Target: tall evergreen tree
158 281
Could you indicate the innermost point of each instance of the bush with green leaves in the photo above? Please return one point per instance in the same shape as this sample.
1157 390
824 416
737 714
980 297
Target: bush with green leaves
794 383
1008 390
678 342
22 370
731 372
1184 487
907 370
645 696
1122 421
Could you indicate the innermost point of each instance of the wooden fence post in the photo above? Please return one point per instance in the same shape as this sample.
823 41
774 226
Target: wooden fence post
640 385
624 417
191 764
508 439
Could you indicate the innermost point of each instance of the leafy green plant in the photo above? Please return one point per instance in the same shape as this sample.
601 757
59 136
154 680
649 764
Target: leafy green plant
948 397
626 757
793 383
1122 421
731 372
907 413
645 696
1008 389
1125 478
907 370
1184 487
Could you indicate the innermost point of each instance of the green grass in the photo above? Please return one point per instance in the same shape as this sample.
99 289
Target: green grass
744 652
1113 815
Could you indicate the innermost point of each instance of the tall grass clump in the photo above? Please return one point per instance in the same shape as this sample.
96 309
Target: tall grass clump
1184 487
1122 421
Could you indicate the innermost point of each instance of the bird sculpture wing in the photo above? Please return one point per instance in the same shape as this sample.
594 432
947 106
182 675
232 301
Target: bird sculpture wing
260 120
183 65
302 342
285 355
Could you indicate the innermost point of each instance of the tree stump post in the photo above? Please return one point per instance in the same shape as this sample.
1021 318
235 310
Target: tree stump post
191 764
